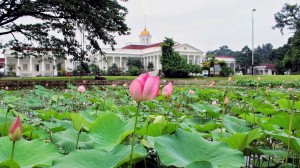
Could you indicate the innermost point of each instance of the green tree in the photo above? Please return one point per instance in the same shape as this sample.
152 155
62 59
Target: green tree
173 64
244 59
114 70
56 22
95 70
83 68
291 59
277 55
263 52
288 17
137 62
222 51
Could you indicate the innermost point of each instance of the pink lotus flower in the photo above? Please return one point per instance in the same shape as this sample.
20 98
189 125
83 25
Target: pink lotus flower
281 87
6 88
84 81
168 90
211 85
81 89
214 103
226 100
125 84
191 91
114 85
290 89
15 130
144 88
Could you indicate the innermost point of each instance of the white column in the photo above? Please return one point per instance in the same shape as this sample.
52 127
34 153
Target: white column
157 62
121 63
5 64
187 58
113 59
43 67
30 66
55 70
194 59
18 68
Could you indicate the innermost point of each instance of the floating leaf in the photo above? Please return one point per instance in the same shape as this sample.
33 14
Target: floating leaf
184 148
96 158
109 130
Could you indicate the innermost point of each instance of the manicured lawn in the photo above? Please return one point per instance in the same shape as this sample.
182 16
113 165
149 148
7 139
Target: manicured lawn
236 77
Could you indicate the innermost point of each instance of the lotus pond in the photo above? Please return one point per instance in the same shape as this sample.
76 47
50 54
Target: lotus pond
256 127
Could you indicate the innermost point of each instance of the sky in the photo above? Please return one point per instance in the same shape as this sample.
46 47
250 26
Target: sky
206 24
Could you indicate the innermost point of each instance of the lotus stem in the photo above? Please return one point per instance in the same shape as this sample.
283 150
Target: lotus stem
289 133
12 154
133 134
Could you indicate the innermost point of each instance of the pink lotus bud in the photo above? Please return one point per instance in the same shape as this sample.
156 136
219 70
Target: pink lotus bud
114 85
191 91
211 85
168 90
144 88
258 78
84 81
267 91
22 93
196 79
290 89
81 89
281 87
46 84
226 100
15 130
164 81
125 84
214 103
6 88
229 79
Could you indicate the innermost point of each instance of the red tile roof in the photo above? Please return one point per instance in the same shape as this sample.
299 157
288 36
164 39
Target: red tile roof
268 66
141 47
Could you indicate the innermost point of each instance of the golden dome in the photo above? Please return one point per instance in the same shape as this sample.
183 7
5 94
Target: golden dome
145 32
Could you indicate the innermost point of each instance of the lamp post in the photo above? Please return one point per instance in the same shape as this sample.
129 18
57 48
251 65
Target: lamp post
253 10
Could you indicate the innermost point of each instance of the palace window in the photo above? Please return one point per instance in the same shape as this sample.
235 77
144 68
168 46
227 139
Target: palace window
47 67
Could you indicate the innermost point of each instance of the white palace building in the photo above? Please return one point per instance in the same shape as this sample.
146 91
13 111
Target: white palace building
144 49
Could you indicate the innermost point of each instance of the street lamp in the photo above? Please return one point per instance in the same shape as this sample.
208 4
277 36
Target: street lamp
253 10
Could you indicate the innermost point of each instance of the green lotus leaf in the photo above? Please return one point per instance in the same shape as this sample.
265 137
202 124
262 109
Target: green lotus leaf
109 130
234 125
184 148
67 140
96 158
29 153
241 140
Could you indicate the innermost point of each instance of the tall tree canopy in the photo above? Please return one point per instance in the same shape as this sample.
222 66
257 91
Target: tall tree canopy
222 51
55 24
263 52
288 17
244 59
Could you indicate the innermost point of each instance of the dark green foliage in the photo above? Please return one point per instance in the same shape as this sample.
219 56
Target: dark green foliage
226 71
263 52
222 51
134 71
244 59
291 59
113 70
98 22
173 64
83 68
95 70
288 17
195 69
132 61
150 66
